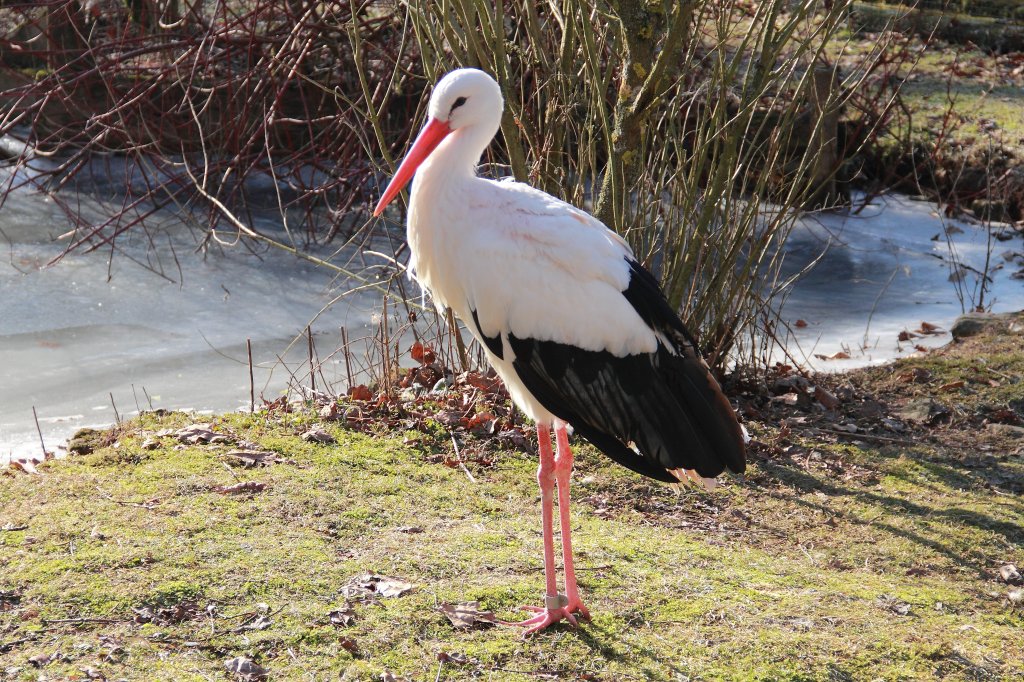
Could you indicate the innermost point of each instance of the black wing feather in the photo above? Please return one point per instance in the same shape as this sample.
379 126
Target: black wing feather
666 402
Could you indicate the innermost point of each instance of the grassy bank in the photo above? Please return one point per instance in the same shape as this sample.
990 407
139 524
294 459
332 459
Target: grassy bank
956 130
862 544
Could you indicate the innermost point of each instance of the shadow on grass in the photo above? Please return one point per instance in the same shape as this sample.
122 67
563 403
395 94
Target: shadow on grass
890 505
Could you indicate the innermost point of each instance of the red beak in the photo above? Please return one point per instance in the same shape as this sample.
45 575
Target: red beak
425 143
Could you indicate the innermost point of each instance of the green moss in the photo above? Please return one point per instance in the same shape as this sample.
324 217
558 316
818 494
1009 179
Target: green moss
795 574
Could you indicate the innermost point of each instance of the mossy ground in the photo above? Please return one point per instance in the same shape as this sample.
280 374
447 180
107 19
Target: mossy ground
834 558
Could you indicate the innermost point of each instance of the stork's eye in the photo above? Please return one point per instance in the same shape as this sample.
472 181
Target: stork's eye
456 104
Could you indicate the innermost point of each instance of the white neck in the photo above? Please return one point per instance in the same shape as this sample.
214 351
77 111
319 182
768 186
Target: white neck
458 155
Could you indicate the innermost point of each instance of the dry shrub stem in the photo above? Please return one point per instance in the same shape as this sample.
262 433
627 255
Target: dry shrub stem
674 122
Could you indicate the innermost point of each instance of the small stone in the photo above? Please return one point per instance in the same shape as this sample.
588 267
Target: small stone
1005 430
916 410
972 324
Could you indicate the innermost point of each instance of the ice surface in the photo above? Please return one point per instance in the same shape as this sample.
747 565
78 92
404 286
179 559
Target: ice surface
94 325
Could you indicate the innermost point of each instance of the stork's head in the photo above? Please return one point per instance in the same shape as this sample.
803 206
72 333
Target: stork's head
464 102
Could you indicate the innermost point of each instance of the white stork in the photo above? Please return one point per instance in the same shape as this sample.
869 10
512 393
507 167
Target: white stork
578 330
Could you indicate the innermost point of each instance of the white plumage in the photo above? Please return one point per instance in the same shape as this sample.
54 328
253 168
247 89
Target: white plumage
578 330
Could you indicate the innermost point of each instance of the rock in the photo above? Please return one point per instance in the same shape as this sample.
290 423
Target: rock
1005 430
919 410
972 324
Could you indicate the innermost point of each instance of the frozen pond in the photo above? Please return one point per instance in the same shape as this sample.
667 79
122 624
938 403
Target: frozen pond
94 332
896 264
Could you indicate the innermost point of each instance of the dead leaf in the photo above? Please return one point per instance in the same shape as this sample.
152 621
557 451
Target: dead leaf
841 355
246 668
360 392
40 660
906 336
240 488
800 324
929 328
388 676
252 458
826 398
349 645
199 433
26 465
393 587
467 614
918 375
342 617
379 584
260 622
893 605
952 385
317 435
453 657
422 354
330 411
1009 574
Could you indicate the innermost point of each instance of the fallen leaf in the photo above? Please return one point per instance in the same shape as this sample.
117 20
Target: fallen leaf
841 355
800 324
467 614
240 488
26 465
199 433
952 385
246 668
360 392
826 398
40 660
377 584
393 587
929 328
918 375
330 411
906 336
317 435
388 676
260 622
453 657
252 458
349 644
1009 574
342 617
422 354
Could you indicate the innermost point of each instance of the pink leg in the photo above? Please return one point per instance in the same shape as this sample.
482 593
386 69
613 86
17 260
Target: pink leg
554 608
563 470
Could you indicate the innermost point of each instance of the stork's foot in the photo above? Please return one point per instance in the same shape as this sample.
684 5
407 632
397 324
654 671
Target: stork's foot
576 607
556 609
